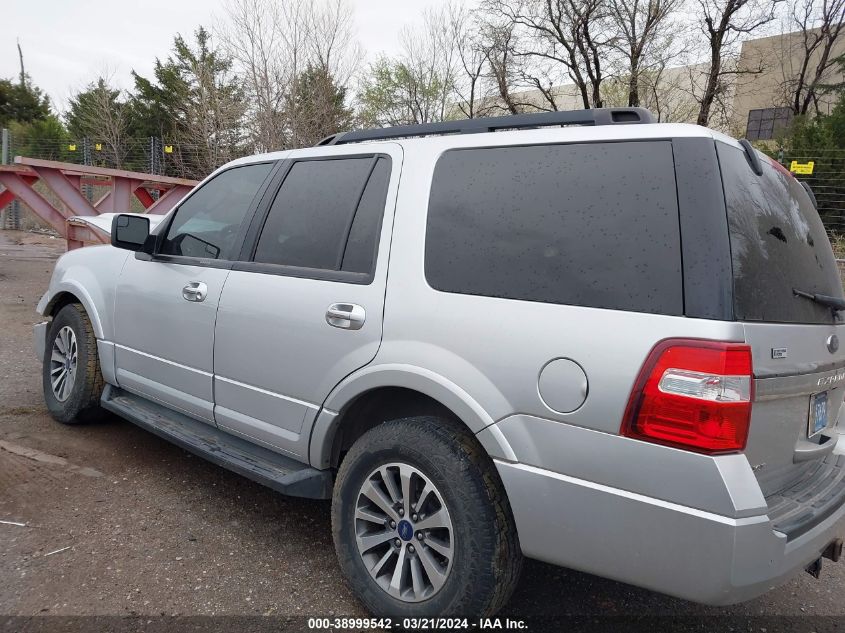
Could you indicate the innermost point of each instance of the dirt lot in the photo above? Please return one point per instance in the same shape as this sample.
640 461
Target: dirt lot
119 522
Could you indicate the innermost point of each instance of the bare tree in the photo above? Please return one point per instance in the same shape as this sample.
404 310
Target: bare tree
724 23
331 40
273 44
574 37
647 39
253 37
820 25
499 45
417 85
472 87
666 92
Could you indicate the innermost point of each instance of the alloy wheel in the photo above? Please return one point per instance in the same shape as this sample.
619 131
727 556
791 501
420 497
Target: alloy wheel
404 532
63 361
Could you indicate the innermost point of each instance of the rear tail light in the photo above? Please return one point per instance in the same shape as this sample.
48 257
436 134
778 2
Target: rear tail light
693 394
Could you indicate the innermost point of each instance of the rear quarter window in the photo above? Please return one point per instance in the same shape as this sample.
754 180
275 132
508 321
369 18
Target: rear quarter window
581 224
778 244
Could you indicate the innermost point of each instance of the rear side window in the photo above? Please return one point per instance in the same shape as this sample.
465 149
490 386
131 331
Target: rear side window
778 244
584 224
327 215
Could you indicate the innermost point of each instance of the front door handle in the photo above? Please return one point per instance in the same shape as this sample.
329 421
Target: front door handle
195 291
347 316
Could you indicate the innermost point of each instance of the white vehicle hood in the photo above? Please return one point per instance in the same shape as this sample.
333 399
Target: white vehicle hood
103 221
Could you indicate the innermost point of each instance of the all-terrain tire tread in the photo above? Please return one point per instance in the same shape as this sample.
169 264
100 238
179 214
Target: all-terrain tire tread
84 405
491 590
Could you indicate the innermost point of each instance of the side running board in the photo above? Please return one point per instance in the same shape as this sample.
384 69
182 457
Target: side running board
276 471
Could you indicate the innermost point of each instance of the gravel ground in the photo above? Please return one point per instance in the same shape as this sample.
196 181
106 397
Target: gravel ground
119 522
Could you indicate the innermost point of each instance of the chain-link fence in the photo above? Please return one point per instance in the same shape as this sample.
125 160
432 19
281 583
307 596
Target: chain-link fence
152 155
827 181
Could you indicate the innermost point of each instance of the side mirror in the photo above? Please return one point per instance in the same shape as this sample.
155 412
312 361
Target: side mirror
129 231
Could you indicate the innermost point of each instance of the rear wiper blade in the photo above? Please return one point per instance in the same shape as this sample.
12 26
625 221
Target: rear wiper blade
833 303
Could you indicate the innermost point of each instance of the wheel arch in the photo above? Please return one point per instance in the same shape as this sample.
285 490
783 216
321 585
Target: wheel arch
70 292
376 394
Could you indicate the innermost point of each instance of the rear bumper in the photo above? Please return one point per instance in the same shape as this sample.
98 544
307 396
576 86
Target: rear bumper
655 544
39 339
651 538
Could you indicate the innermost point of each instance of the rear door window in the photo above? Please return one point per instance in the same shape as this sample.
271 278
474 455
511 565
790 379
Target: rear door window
778 244
582 224
327 215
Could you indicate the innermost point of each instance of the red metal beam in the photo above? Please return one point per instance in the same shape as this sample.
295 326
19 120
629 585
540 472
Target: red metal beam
6 197
105 203
43 209
66 180
72 198
78 235
75 180
101 171
168 200
122 189
144 196
94 182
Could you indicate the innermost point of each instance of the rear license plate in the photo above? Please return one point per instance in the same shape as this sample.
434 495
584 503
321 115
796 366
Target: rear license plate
818 413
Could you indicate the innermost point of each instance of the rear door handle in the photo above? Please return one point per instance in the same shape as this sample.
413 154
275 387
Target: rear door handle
347 316
195 291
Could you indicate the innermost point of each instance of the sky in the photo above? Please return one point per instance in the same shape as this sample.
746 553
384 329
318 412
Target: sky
67 43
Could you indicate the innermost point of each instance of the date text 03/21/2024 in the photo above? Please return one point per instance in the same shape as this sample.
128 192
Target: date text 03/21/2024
421 624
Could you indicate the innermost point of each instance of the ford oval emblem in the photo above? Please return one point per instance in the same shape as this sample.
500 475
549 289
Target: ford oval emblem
405 530
832 343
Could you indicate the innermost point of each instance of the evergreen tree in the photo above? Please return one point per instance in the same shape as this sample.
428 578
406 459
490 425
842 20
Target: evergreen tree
21 101
316 107
101 114
821 139
195 103
43 138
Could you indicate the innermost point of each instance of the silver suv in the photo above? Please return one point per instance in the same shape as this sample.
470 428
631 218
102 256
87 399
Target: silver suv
581 337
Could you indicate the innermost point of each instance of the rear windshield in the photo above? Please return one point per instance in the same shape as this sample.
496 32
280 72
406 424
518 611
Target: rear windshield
778 244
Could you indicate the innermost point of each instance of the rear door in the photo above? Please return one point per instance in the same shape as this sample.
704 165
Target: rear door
304 307
779 246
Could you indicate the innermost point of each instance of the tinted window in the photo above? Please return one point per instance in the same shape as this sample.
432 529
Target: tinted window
592 225
322 206
778 244
207 223
363 236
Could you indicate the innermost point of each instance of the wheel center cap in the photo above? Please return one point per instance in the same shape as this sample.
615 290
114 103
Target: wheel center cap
405 530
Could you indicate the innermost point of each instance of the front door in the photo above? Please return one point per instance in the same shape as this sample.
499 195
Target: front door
165 308
305 309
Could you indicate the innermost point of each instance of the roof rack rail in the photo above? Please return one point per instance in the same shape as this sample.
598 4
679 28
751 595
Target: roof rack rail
597 116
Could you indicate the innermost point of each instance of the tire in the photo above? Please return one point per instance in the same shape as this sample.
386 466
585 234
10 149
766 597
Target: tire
76 399
484 562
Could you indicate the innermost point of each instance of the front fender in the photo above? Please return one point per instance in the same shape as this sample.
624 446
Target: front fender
90 274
